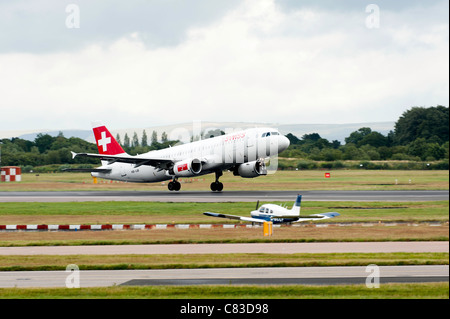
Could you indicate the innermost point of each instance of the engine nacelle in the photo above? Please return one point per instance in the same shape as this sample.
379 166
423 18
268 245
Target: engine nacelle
186 168
251 169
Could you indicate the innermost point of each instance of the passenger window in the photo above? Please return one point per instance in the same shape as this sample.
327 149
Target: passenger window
271 211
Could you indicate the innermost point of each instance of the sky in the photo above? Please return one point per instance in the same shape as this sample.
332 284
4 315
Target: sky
136 63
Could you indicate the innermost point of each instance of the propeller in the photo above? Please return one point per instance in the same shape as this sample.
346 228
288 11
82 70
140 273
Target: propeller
257 205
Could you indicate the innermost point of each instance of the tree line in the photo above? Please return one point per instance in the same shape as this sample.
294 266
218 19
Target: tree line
420 134
49 150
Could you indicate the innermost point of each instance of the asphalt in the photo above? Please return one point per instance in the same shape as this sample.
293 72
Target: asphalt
225 196
253 276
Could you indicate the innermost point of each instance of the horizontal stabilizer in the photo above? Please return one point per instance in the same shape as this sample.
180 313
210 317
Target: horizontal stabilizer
329 215
317 217
162 163
87 170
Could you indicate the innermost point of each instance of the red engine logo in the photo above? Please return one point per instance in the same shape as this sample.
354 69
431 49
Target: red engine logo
182 167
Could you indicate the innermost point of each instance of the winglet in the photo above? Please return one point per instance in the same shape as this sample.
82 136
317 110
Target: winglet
73 154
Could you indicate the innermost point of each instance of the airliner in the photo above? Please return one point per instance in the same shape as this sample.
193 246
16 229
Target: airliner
277 214
243 152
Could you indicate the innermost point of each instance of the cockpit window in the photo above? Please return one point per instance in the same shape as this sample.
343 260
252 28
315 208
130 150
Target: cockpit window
261 210
269 133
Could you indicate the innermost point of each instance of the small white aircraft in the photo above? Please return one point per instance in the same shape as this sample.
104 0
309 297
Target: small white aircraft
277 214
241 152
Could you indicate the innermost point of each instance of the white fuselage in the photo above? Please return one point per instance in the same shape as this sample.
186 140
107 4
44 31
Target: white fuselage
215 154
275 213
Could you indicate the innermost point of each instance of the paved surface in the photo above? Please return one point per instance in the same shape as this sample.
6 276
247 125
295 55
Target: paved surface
225 196
280 248
284 275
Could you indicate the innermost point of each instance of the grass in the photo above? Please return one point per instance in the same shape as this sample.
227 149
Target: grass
177 261
235 235
156 212
148 212
386 291
287 180
169 213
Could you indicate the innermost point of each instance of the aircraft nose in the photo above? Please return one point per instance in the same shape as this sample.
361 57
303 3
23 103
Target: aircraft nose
283 143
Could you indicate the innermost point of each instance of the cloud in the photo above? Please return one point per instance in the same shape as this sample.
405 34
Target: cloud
40 26
259 62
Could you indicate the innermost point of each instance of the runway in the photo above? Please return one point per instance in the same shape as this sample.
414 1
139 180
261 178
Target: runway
225 196
254 276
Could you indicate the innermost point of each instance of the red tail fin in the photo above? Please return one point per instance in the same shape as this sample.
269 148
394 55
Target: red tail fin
106 143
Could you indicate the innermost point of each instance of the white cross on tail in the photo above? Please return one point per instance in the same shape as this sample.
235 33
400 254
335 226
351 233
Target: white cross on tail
104 141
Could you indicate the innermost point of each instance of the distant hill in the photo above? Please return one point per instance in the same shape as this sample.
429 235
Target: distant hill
83 134
329 131
183 131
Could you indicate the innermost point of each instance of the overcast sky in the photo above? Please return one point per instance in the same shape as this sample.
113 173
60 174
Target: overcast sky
142 63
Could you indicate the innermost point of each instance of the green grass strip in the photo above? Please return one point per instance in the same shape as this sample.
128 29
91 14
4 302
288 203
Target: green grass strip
386 291
117 262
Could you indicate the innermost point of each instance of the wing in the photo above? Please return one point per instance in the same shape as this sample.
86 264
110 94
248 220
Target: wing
246 219
317 217
136 160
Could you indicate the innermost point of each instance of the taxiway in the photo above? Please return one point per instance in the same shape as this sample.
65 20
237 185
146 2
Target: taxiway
254 276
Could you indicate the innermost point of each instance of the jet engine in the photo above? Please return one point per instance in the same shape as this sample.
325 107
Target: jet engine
251 169
186 168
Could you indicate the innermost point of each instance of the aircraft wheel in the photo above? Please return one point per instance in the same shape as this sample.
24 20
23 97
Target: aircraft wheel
216 186
174 186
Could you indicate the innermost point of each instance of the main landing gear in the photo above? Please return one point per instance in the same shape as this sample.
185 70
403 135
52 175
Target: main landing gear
217 186
174 185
